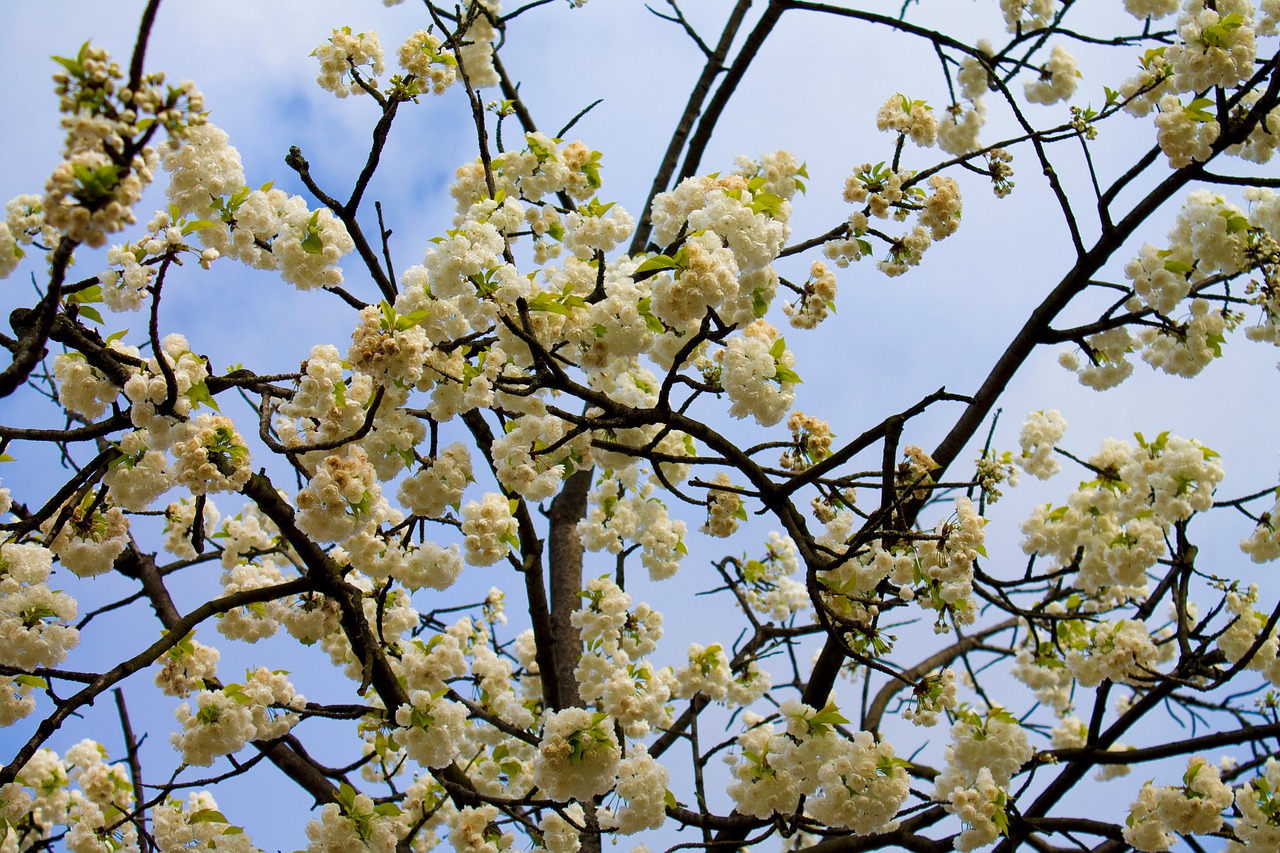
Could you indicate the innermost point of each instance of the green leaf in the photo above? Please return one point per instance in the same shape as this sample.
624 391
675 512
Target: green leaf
754 571
591 169
546 302
759 305
196 225
199 395
828 717
657 262
1235 222
1196 110
597 208
346 796
94 185
311 243
207 816
90 312
766 203
650 319
786 374
885 765
1001 818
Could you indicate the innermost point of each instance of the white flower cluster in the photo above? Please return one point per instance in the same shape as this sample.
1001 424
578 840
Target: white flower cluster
588 230
1211 237
724 508
1041 669
1142 9
1216 47
140 475
544 167
937 573
642 788
947 566
560 831
225 720
1040 432
1072 733
47 777
758 374
203 168
1122 652
93 535
854 783
708 280
489 528
1028 15
421 56
935 692
475 831
1185 133
92 192
24 224
817 299
345 57
1256 828
522 462
197 824
148 390
211 456
341 497
105 791
1057 81
612 671
264 228
578 755
884 193
16 701
477 50
1116 524
126 283
185 667
908 118
353 823
428 564
749 213
984 754
1193 808
34 629
1244 630
768 587
256 621
1260 145
82 388
1263 545
622 509
431 728
387 349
